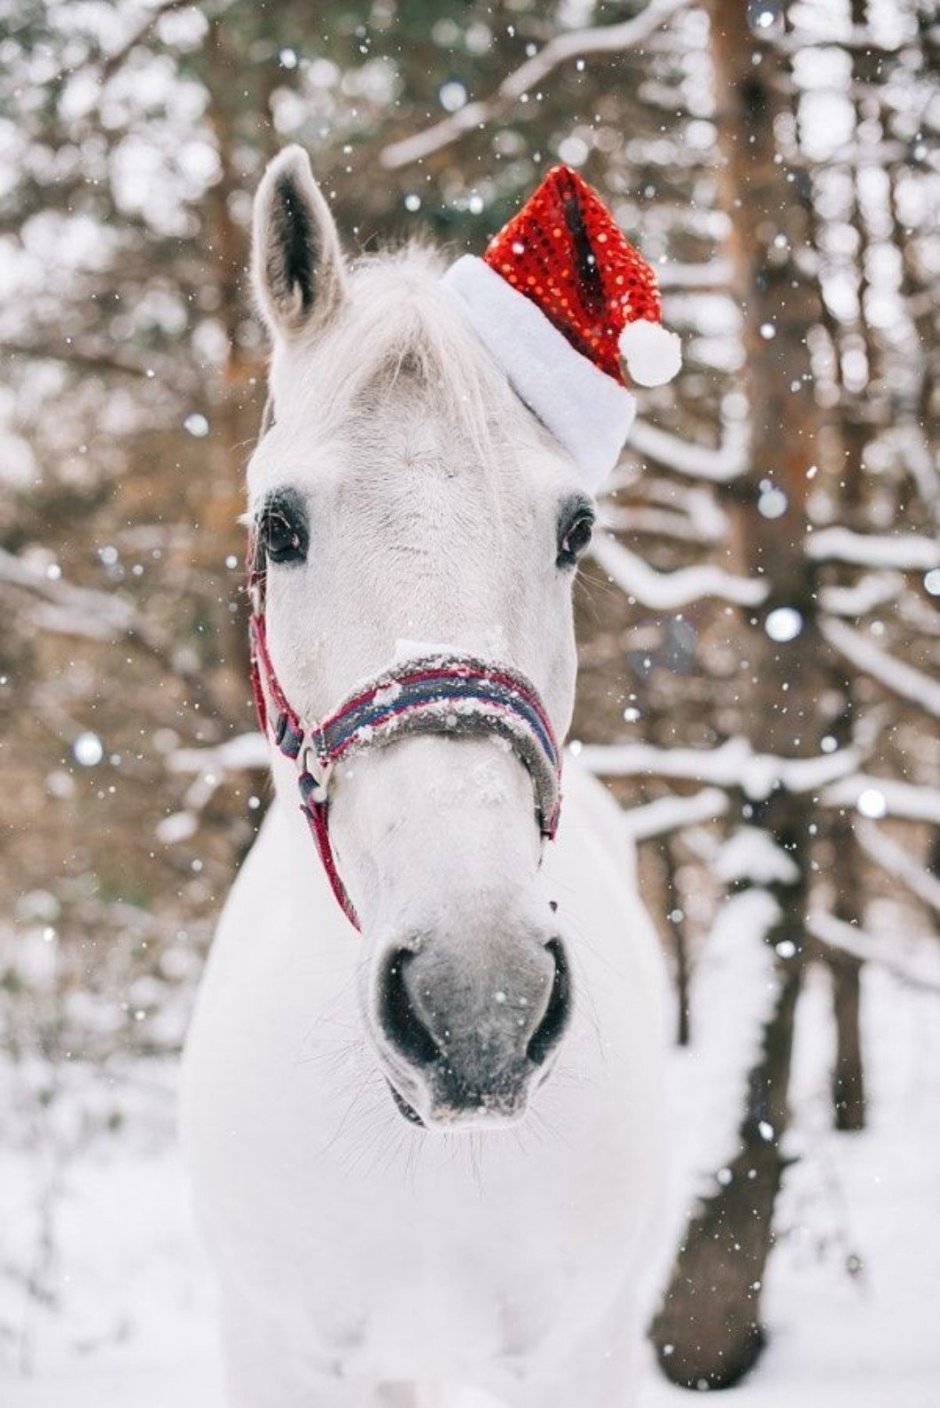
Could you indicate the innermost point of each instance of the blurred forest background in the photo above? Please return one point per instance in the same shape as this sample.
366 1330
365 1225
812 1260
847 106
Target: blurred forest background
758 621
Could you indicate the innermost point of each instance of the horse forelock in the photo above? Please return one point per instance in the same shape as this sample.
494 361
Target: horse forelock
399 326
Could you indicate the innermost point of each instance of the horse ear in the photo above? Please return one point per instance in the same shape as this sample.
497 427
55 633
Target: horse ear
297 263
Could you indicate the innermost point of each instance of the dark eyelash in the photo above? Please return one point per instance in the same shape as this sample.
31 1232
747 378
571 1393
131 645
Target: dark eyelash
283 532
579 520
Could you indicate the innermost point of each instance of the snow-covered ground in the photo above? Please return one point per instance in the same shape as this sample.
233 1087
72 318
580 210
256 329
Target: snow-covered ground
120 1310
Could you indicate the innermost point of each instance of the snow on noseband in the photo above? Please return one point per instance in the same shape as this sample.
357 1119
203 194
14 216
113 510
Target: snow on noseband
449 693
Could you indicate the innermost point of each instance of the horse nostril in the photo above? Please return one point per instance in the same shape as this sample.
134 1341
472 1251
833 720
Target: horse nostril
403 1026
549 1031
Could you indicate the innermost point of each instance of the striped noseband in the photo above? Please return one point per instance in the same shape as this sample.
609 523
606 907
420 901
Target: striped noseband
447 693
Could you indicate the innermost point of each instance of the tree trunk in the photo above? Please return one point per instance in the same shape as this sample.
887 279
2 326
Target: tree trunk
680 944
848 1082
708 1331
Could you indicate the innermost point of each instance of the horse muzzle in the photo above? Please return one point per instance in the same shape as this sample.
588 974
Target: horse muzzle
465 1032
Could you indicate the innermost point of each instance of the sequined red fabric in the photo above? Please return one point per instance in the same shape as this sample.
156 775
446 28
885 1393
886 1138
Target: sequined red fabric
565 252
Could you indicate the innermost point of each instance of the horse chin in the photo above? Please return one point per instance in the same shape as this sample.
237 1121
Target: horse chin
482 1118
486 1113
406 1111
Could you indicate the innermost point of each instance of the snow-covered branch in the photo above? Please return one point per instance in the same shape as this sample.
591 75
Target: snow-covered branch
719 466
697 501
64 608
859 37
244 752
668 814
895 675
655 522
906 552
836 933
116 58
733 764
715 274
579 43
688 514
899 863
868 593
92 359
667 591
752 856
906 800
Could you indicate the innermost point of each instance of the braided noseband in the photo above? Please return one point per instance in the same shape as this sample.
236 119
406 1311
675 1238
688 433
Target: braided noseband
447 693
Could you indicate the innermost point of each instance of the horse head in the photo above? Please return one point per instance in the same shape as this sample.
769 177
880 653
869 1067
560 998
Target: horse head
406 503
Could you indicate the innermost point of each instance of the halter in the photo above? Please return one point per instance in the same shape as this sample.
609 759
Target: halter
447 693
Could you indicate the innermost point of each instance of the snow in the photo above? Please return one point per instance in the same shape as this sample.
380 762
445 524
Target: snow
751 854
733 989
851 1297
715 274
783 624
868 1340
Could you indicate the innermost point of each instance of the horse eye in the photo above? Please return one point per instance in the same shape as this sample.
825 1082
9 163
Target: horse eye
575 538
283 529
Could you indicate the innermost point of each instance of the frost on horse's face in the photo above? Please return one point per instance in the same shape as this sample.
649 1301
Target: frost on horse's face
407 498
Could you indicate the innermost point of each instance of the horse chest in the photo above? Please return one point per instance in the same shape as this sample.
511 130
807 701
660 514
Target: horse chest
385 1245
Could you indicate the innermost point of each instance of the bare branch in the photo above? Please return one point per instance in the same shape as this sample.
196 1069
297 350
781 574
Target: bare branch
580 43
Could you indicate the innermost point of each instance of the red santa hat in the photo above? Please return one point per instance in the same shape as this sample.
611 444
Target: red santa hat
559 298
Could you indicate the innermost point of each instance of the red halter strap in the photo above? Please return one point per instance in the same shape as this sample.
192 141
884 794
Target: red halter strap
448 693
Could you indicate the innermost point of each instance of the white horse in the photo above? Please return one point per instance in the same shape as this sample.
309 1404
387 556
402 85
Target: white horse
428 1152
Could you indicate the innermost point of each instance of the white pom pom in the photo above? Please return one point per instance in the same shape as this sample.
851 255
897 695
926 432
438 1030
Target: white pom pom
653 355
